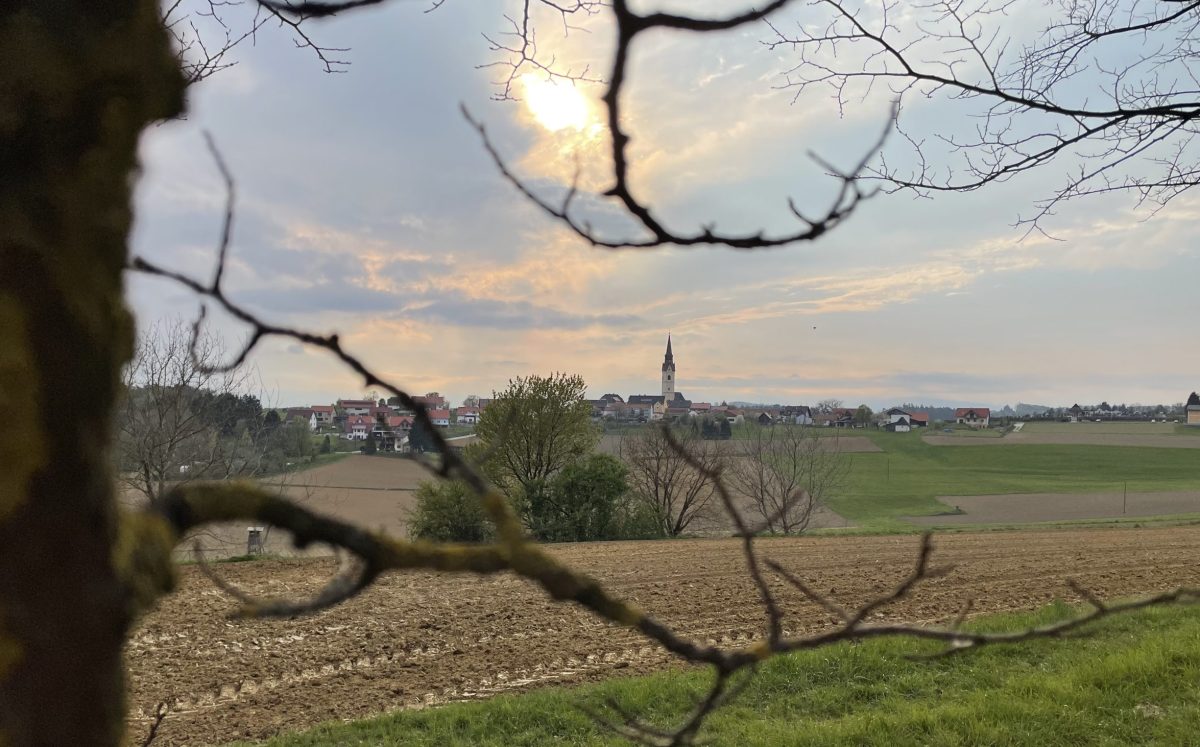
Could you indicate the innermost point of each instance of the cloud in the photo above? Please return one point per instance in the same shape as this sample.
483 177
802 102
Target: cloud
509 315
324 297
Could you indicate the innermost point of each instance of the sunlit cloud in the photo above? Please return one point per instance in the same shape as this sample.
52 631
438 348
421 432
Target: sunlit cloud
556 104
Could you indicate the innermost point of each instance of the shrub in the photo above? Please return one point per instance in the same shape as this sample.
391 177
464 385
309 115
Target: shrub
586 500
448 512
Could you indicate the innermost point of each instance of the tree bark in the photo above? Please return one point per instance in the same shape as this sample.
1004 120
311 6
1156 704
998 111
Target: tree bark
79 81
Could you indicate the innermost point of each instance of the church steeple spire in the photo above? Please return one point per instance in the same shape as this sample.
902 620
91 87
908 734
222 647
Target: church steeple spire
668 373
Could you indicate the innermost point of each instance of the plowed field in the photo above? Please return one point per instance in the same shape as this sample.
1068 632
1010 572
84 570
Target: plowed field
420 639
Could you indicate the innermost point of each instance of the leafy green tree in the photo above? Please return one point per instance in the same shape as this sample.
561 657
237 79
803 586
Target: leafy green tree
863 415
726 429
583 501
369 447
326 447
534 428
448 512
230 412
419 438
292 439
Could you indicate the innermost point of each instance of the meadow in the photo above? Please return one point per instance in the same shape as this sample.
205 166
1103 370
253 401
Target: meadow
908 475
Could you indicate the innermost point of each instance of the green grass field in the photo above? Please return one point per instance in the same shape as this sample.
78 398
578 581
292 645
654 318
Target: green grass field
907 477
1135 680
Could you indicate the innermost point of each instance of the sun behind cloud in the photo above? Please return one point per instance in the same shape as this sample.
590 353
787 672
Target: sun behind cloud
556 105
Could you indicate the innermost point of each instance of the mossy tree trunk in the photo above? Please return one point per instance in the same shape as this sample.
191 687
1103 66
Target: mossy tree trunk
79 81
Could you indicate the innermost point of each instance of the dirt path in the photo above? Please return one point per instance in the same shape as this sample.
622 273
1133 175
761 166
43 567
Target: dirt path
420 639
1022 508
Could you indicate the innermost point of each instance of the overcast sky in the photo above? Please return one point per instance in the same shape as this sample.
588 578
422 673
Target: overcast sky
367 206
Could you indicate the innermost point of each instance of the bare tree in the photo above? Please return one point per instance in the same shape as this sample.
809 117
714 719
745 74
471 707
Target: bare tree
174 410
180 421
517 50
91 78
206 33
786 471
828 405
660 474
1107 87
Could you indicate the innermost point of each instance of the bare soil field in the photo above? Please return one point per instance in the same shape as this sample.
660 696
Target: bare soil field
1085 437
373 492
1023 508
420 639
1138 428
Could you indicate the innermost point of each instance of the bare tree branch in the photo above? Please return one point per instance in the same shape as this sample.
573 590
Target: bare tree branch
206 34
1108 89
160 713
629 25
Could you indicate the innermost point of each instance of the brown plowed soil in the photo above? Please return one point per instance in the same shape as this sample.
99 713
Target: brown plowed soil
418 639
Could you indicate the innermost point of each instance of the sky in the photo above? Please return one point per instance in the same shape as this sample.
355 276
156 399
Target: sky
367 205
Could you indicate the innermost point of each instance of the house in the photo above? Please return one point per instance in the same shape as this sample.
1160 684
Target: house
439 417
400 423
913 419
678 408
350 407
1193 410
798 414
304 414
466 414
641 406
902 424
976 417
323 414
358 427
764 418
700 408
838 417
432 401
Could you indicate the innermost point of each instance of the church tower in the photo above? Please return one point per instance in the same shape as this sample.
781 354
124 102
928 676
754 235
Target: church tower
668 374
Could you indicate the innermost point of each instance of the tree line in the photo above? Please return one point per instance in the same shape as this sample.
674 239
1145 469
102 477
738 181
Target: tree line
538 444
181 420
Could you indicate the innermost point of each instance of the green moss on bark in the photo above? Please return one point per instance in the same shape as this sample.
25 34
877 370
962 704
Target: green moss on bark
81 80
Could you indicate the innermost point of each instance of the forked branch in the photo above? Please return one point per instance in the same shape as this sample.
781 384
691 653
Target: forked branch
649 229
